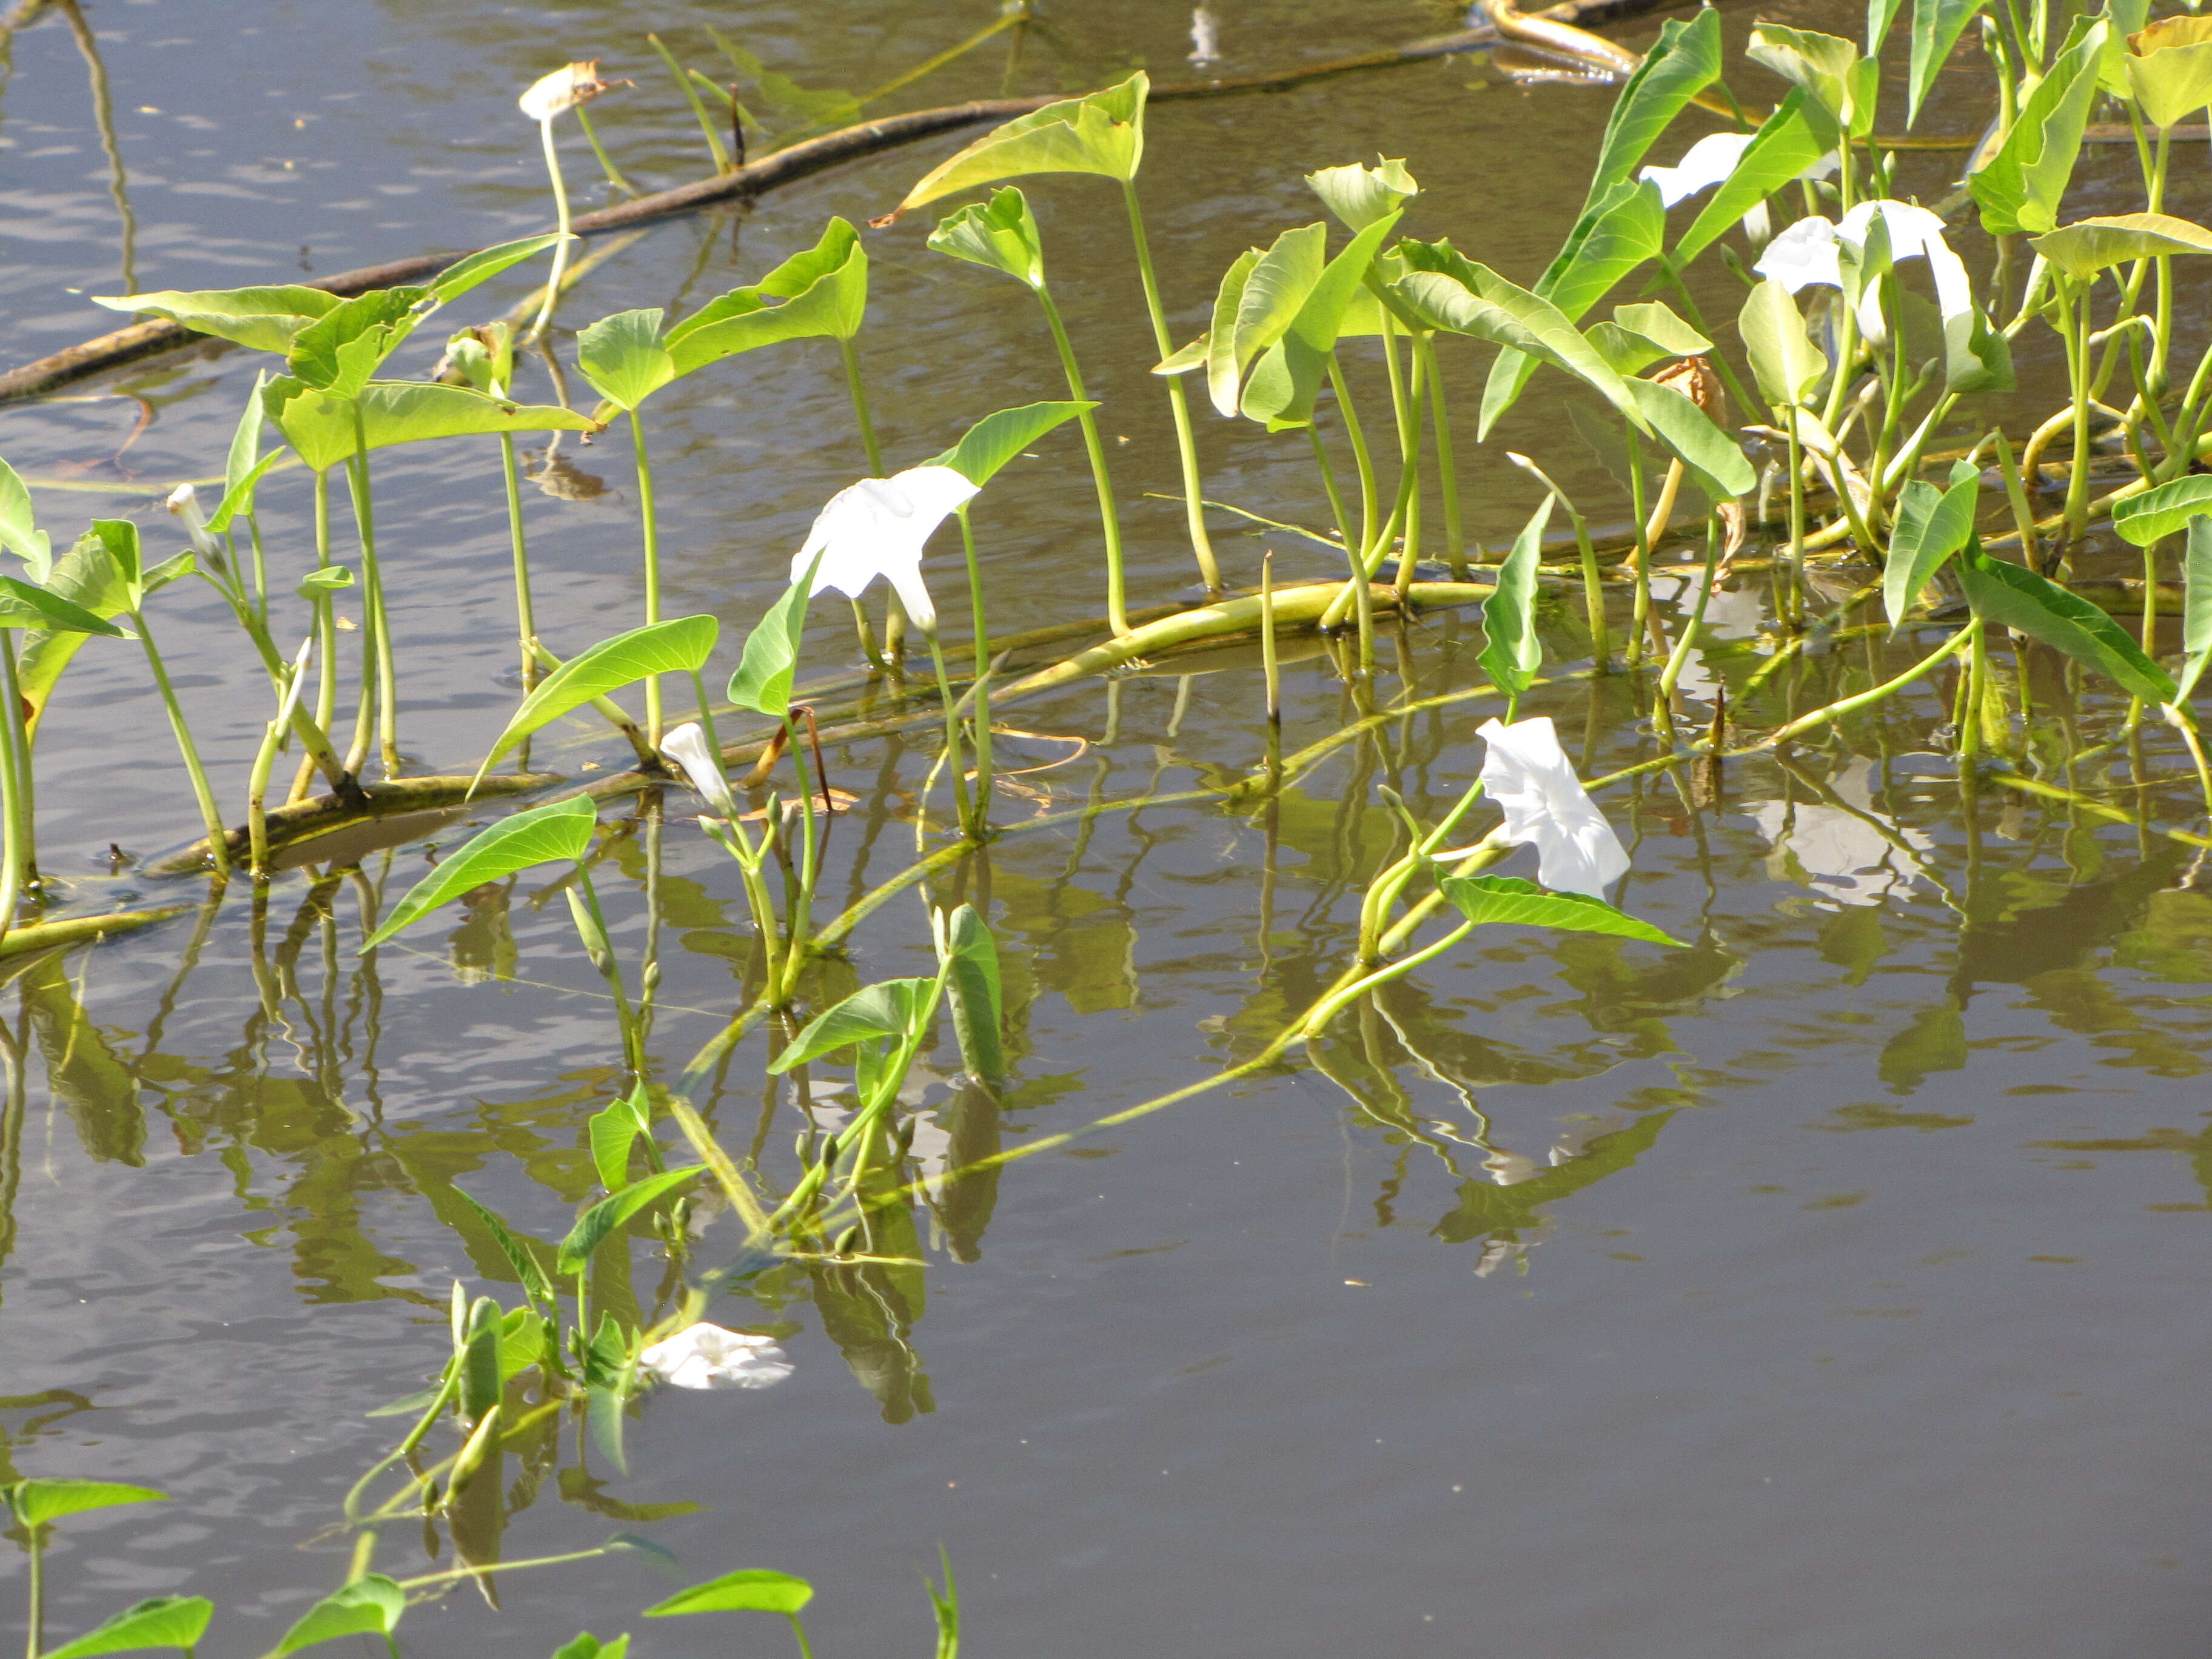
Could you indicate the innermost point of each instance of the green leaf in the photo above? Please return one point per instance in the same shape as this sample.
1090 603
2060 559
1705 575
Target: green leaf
369 1605
1447 291
625 358
613 1132
588 1646
890 1008
1930 526
996 439
1715 460
265 319
1616 233
321 428
338 353
19 530
1641 335
1787 143
765 672
35 1503
1359 196
1785 361
978 1006
1102 133
2157 514
87 577
822 293
1682 62
1508 900
1283 385
23 605
594 1226
2169 68
480 1374
1511 653
320 584
1275 287
2089 246
162 1621
518 1253
2010 596
1936 25
1826 66
754 1589
998 234
680 645
2019 187
2195 606
562 829
239 497
458 277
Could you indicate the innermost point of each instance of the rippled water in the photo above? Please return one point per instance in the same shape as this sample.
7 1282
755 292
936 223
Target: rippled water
1828 1287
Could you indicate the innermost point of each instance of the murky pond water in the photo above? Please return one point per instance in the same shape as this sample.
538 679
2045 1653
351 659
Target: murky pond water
1832 1286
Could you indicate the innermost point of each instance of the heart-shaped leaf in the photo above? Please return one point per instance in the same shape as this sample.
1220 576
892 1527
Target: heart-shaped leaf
680 645
34 1502
162 1621
754 1589
1508 900
594 1226
561 829
2158 512
997 439
370 1606
2011 595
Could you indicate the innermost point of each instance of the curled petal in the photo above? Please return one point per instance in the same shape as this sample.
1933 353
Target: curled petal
688 747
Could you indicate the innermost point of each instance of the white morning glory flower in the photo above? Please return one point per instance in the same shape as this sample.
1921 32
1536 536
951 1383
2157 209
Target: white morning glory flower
707 1356
687 747
1710 161
566 87
1808 253
185 501
1530 776
877 528
1706 163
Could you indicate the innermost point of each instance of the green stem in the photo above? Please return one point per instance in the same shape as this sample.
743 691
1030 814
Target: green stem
1186 443
1362 458
218 843
1447 461
800 1631
610 970
961 803
651 529
1109 519
526 616
376 616
1335 494
606 162
2077 367
561 213
860 407
14 766
35 1619
981 658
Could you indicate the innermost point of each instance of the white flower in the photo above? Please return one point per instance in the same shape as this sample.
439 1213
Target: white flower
565 88
1710 161
877 528
1546 806
1809 253
708 1356
185 501
1707 162
702 769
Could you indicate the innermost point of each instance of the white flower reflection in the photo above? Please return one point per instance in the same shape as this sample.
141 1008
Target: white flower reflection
707 1356
1848 853
1529 777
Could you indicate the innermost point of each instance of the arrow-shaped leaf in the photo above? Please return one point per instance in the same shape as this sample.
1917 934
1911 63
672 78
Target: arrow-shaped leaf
680 645
562 829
